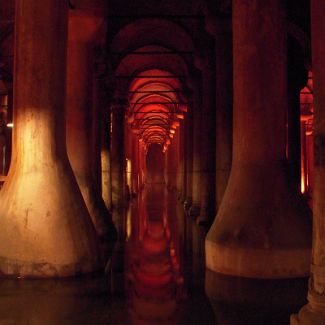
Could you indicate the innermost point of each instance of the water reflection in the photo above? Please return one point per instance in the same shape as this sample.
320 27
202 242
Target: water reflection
157 276
155 284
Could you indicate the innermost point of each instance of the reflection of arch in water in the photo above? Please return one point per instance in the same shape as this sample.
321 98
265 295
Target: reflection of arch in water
156 284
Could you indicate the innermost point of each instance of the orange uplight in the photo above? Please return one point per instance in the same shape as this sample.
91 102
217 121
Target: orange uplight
302 183
180 116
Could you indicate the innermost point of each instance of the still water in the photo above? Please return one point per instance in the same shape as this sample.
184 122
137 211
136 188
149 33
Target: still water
156 276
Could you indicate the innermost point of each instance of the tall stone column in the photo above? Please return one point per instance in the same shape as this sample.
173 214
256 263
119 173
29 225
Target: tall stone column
106 156
81 110
135 165
45 226
172 166
314 312
249 236
197 154
221 30
297 79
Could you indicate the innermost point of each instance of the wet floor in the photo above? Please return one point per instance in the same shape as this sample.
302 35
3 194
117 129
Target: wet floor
156 276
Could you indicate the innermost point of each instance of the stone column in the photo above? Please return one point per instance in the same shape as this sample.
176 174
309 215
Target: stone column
81 110
314 312
250 235
117 155
197 154
45 226
297 79
189 157
135 165
207 210
220 28
172 167
106 156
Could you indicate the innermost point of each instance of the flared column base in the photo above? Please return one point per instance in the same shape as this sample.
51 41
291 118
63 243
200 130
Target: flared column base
268 263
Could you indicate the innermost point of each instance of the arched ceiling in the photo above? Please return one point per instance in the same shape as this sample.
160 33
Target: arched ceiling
156 105
155 63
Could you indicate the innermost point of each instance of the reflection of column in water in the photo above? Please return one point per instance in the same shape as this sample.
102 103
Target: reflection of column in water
198 259
154 267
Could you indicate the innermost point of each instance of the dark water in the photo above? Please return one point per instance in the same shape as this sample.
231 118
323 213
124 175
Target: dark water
156 276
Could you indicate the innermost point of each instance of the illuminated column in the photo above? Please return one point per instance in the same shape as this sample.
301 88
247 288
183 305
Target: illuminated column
45 229
171 163
314 312
81 127
196 140
117 155
294 129
249 236
106 157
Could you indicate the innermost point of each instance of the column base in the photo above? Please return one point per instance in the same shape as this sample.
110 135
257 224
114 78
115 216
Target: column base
262 230
48 237
313 313
272 263
14 268
309 315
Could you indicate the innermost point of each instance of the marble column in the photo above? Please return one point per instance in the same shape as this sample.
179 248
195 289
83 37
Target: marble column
45 226
249 236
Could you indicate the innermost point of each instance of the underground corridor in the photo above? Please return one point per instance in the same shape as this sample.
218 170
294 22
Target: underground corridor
162 162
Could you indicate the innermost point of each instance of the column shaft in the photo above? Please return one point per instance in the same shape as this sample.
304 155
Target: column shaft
82 134
197 155
118 156
224 105
207 211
